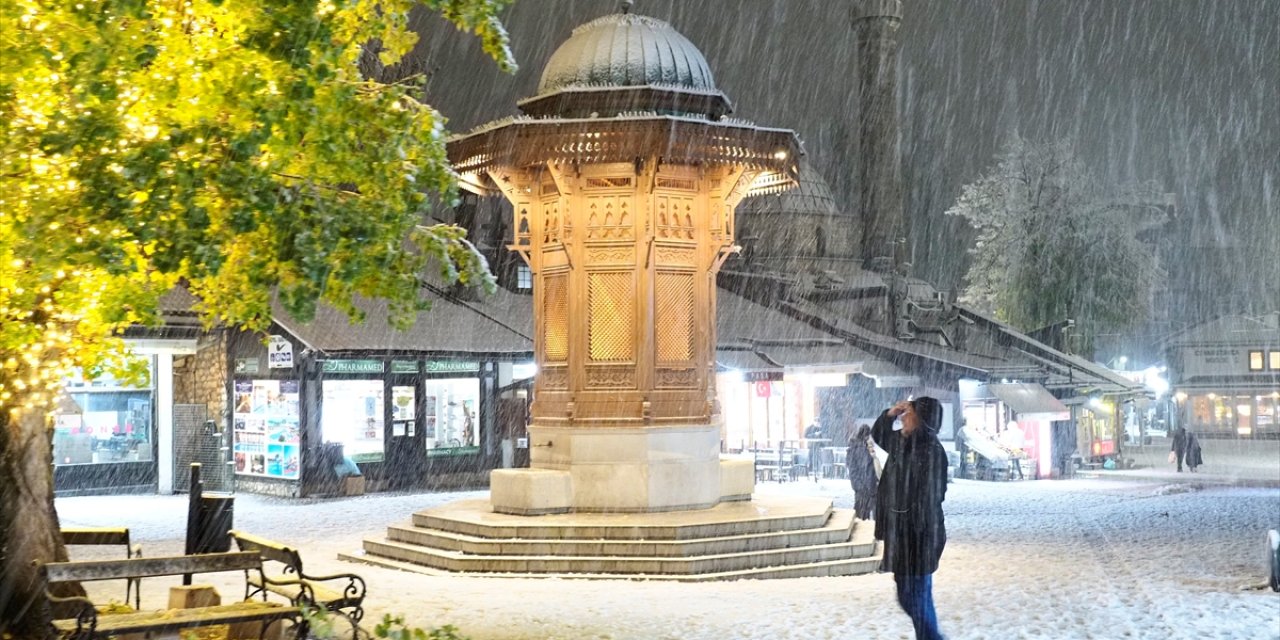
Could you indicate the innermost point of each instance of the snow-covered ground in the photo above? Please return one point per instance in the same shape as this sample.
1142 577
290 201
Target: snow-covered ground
1082 558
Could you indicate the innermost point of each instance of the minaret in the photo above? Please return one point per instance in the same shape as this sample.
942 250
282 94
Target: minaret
875 24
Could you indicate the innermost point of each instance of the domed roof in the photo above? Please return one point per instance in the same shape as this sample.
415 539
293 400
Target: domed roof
811 196
627 50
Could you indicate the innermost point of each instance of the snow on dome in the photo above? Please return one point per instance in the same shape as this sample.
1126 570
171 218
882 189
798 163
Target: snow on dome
811 196
627 50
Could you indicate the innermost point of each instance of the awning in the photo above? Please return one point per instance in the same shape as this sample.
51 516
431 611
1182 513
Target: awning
1030 401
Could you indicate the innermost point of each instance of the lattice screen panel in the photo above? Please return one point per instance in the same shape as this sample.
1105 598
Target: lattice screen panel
673 317
555 318
611 297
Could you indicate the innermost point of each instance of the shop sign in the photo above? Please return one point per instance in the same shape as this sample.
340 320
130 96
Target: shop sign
279 353
451 366
404 366
247 365
774 375
441 452
351 366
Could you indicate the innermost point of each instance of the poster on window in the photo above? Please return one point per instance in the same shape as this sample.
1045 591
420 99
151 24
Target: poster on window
351 413
265 440
451 414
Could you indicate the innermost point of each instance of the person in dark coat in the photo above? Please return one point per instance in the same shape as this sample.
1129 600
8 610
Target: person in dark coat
909 517
860 462
1180 445
1194 459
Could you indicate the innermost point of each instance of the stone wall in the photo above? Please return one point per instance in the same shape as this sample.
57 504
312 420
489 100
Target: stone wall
202 378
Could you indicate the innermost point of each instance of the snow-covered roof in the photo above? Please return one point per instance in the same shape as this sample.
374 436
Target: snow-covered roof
627 50
1231 330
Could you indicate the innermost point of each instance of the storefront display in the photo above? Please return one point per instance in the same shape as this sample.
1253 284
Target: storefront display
265 435
352 414
103 420
450 416
1239 415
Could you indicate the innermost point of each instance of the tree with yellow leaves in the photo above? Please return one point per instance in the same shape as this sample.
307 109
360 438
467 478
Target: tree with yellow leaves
232 146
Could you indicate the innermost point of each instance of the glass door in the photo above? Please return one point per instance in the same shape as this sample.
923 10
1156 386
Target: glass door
405 433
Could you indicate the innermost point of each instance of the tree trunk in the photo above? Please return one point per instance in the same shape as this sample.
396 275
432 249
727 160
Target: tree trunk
29 530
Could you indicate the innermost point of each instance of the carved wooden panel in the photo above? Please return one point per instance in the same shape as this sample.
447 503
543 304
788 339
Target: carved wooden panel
624 256
677 378
523 232
683 184
551 222
609 183
599 377
611 316
555 317
554 378
608 217
676 256
673 317
675 217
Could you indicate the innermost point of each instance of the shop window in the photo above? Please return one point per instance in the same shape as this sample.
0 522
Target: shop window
1255 361
1267 412
1243 415
264 434
104 420
352 414
451 418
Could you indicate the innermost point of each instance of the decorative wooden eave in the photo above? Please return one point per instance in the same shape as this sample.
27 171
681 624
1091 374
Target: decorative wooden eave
524 142
607 100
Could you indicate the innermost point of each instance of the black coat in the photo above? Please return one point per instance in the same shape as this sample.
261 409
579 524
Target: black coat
861 467
913 485
1194 457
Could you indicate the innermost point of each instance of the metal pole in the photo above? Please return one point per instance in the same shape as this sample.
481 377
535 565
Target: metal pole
193 516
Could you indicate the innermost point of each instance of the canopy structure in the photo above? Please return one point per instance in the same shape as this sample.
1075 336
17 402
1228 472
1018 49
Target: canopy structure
1030 401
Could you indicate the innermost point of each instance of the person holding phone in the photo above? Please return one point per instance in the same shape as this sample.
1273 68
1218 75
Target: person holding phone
909 518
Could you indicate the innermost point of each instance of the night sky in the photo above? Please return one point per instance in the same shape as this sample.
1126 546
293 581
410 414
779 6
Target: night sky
1185 93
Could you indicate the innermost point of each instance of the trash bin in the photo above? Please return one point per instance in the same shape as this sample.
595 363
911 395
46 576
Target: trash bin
216 519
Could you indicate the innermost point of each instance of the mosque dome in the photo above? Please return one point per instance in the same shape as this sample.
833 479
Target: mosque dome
625 62
802 223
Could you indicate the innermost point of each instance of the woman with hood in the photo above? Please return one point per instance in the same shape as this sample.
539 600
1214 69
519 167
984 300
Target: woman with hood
909 517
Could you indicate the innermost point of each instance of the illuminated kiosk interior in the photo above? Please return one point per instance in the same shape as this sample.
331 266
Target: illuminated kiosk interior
623 173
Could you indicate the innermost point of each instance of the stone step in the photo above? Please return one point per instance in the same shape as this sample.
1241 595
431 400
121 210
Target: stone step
860 546
475 518
846 567
838 528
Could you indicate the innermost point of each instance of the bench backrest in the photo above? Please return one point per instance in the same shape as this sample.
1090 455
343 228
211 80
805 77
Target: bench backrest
269 550
95 535
91 570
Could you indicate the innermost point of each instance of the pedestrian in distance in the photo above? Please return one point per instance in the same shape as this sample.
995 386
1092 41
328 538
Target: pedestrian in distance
909 518
864 472
1194 458
1179 446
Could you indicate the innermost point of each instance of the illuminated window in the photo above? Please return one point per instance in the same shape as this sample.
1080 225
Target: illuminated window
524 278
1275 360
1255 361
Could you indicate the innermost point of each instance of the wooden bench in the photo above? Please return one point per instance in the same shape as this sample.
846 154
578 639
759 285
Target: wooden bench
86 624
341 593
119 536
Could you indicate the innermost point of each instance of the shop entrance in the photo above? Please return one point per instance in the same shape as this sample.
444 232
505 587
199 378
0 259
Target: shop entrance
406 466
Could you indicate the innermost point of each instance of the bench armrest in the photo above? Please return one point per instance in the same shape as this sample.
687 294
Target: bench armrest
354 589
306 596
85 612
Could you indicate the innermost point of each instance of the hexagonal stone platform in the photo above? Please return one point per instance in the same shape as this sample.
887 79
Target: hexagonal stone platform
769 537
